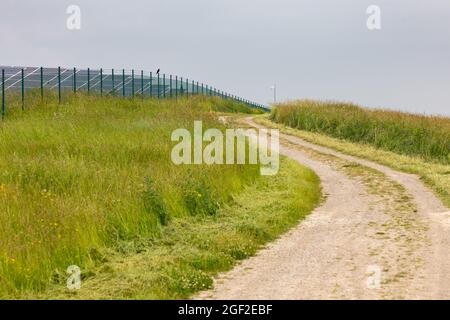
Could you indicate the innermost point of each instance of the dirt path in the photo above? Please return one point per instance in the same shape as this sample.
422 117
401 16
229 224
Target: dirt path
379 234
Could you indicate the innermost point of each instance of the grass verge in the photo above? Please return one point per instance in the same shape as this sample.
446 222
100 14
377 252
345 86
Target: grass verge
191 250
90 183
435 175
427 137
93 172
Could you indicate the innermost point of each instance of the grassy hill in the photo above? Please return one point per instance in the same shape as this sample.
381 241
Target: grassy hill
90 183
407 142
413 135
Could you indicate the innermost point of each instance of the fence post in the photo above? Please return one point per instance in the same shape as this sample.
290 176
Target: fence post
164 85
158 86
113 83
101 82
181 86
23 89
89 81
132 82
123 82
176 87
59 85
74 80
170 86
142 83
151 84
187 87
42 84
3 94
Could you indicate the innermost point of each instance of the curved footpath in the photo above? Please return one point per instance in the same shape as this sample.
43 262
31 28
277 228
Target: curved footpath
379 234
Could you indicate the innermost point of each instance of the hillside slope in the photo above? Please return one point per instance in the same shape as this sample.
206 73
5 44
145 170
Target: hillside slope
91 183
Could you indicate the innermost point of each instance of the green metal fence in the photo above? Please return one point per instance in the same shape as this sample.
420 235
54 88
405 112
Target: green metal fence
125 83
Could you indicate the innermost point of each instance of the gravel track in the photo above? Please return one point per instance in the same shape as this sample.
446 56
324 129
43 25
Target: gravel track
379 234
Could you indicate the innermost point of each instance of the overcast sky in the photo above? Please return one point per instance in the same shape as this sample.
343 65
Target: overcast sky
319 49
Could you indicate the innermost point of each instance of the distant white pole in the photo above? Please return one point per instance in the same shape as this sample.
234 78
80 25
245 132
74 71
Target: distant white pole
274 88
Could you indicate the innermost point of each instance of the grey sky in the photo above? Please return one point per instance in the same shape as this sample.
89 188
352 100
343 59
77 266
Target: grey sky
311 48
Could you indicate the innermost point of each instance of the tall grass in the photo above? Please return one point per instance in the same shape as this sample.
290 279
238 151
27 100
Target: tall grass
427 137
193 249
85 175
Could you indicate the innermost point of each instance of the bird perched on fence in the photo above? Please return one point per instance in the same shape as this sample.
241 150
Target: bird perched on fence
157 72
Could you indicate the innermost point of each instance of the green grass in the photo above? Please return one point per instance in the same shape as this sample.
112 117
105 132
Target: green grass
90 183
434 174
191 250
93 172
427 137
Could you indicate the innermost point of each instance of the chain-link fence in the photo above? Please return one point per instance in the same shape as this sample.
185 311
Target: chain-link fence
125 83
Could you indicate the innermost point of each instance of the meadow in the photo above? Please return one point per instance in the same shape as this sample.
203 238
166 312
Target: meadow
90 183
427 137
410 143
